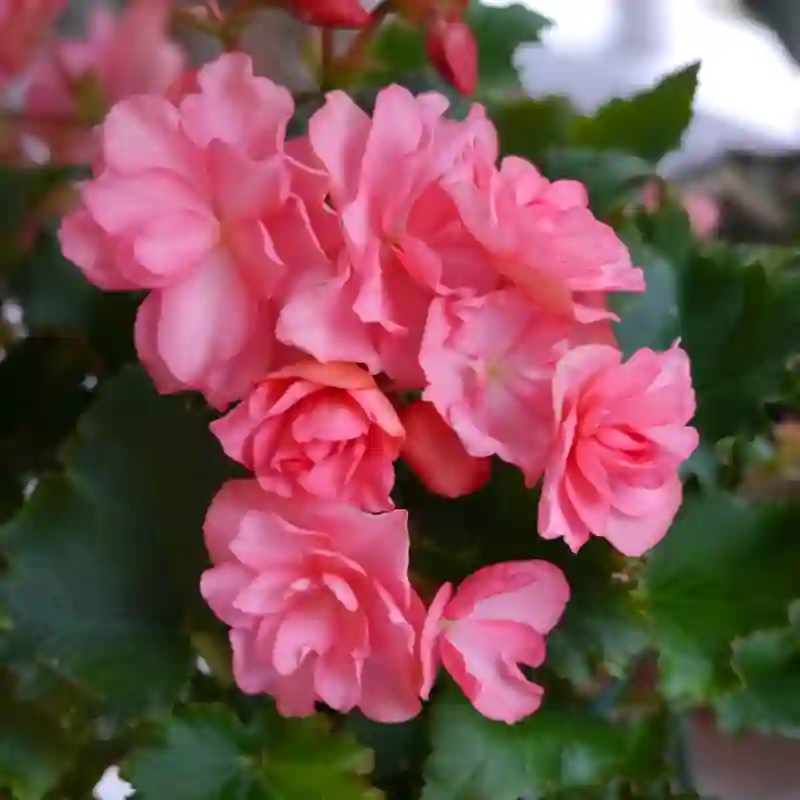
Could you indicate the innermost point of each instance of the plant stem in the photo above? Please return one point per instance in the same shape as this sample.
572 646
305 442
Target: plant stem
326 59
355 53
683 768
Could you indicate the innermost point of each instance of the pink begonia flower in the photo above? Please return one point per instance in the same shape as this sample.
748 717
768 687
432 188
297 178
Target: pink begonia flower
701 208
324 430
23 26
435 453
184 203
704 214
318 600
74 83
543 238
404 240
621 435
497 620
489 363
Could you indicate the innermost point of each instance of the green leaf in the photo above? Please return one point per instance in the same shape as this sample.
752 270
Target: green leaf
726 568
23 190
649 124
602 630
53 293
739 326
768 663
651 318
105 558
43 393
669 230
206 753
34 750
529 128
400 750
397 49
739 323
541 131
558 749
704 465
612 179
499 31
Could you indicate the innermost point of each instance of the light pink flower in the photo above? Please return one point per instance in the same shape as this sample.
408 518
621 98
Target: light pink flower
704 213
489 363
701 208
23 26
435 453
183 204
621 435
497 621
543 237
75 82
318 600
403 239
324 430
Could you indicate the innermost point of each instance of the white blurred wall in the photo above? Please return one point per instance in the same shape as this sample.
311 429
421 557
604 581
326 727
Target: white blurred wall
749 92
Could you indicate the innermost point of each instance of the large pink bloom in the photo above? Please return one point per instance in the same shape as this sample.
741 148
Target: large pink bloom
23 26
543 237
403 238
77 80
497 621
183 205
621 436
318 600
489 362
324 430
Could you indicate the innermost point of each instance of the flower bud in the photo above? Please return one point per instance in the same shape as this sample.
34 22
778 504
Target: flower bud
434 451
453 51
330 13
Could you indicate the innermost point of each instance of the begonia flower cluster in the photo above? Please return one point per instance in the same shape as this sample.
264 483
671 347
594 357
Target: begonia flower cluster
380 288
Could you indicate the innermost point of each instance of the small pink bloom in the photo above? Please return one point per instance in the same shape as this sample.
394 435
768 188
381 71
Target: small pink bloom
403 240
621 435
78 80
489 363
183 203
497 621
324 430
436 454
318 600
703 212
23 26
453 51
330 13
701 208
543 238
